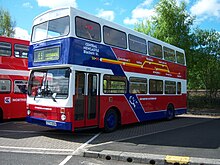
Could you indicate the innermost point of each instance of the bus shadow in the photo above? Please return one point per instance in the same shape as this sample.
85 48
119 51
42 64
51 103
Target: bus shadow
180 132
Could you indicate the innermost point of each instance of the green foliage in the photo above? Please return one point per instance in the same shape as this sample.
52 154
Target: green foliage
206 61
144 27
173 23
6 24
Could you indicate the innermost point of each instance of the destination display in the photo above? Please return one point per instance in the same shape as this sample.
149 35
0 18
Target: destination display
49 54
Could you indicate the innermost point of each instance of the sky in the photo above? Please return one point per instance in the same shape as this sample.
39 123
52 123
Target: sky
123 12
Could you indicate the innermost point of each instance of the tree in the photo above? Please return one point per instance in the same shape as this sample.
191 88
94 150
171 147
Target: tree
206 61
172 23
6 24
145 27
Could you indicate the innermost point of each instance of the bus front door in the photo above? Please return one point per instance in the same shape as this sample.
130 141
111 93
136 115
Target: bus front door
86 100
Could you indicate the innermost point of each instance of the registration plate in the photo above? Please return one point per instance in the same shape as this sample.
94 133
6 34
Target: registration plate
51 123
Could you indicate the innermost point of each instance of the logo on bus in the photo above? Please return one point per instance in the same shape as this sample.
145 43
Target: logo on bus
7 100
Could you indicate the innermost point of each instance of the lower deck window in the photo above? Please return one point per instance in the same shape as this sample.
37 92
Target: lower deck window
170 87
5 86
156 86
20 86
114 84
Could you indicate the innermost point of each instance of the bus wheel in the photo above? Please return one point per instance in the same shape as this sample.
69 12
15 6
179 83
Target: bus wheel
110 121
170 112
1 115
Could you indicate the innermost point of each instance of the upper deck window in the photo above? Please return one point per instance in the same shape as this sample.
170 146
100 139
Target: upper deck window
115 37
137 44
50 29
88 29
21 51
5 49
180 58
155 50
169 54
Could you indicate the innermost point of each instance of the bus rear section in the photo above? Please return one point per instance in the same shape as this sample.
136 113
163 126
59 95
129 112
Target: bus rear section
13 77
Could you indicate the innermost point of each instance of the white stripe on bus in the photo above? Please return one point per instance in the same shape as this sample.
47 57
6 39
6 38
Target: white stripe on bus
14 72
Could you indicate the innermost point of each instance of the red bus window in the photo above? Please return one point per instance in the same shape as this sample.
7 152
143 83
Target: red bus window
21 51
5 86
20 86
5 49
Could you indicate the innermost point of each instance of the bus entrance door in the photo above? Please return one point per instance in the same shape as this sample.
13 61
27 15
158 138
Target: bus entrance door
86 99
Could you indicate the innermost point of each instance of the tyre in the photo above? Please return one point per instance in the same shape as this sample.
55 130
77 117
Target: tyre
1 116
170 112
111 120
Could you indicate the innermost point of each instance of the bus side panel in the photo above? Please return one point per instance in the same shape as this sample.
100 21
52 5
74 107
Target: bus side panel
119 102
13 104
149 108
154 103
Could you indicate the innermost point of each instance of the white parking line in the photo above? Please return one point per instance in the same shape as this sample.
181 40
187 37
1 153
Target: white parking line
79 148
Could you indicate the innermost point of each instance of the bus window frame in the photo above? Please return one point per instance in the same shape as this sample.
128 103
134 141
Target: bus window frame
120 31
167 51
168 86
21 51
10 86
150 50
47 23
89 38
184 58
109 90
5 55
156 92
133 40
138 81
179 84
16 86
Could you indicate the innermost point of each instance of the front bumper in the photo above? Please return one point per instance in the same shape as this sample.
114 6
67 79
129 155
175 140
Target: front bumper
50 123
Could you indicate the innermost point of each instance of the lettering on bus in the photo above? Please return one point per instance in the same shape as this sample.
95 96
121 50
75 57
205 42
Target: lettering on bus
19 100
90 49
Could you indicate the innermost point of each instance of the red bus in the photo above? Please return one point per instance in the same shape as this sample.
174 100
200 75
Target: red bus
89 72
13 77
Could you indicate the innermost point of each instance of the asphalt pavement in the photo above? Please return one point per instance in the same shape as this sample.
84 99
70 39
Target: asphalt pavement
186 139
196 139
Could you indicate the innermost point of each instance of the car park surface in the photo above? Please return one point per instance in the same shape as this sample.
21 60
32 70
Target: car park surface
188 136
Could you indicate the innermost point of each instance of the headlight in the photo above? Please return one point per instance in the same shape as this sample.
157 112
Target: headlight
28 112
63 117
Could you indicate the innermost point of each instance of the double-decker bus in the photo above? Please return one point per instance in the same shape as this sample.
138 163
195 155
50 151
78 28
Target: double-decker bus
13 77
89 72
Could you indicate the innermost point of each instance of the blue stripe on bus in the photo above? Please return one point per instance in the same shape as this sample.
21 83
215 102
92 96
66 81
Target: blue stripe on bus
78 52
42 122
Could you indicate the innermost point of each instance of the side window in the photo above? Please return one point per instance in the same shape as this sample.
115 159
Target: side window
180 58
137 44
21 51
88 29
115 37
179 90
138 85
156 86
170 87
5 49
155 50
169 54
114 84
5 86
20 86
